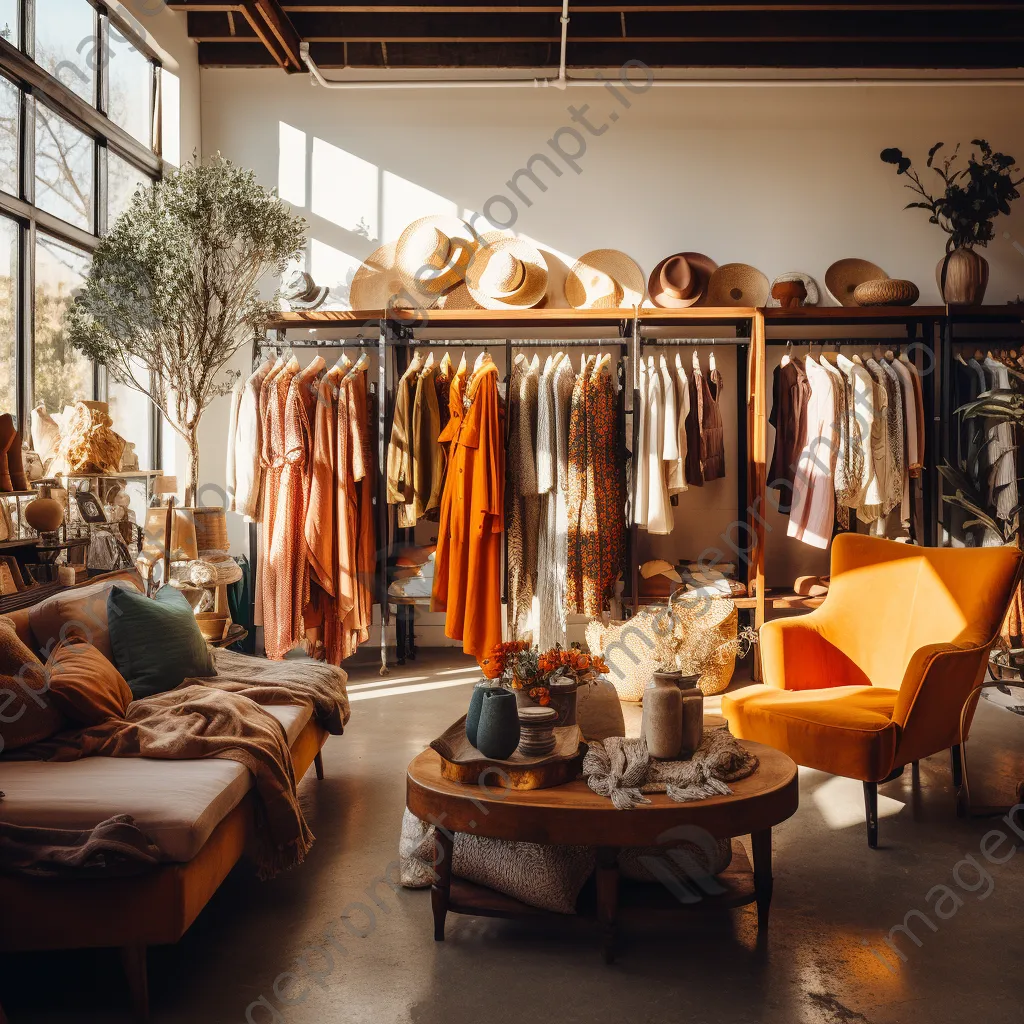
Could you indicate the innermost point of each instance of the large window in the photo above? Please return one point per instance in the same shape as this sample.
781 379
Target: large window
67 171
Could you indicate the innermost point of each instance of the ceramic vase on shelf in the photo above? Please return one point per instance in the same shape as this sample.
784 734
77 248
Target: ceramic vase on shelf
45 513
966 277
663 716
497 734
475 703
692 715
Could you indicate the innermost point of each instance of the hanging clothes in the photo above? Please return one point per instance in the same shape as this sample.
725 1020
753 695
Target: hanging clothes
881 451
1000 453
247 441
469 540
400 490
659 424
849 475
677 468
791 391
696 447
443 383
712 428
427 456
813 510
235 400
522 497
553 414
640 469
456 393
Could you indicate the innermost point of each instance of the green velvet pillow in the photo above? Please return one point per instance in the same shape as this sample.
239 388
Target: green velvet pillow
155 641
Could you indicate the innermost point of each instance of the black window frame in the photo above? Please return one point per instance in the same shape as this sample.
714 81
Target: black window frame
36 86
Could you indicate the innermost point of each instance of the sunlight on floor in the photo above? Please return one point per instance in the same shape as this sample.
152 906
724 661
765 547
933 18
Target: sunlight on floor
385 690
841 802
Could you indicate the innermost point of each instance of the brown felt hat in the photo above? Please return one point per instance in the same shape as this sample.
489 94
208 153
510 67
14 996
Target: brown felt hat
680 280
842 278
737 284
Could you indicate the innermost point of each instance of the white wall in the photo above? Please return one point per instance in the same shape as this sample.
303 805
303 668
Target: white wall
782 178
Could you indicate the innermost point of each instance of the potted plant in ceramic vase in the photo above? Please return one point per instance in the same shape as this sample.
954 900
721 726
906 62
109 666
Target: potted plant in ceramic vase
173 290
550 678
971 198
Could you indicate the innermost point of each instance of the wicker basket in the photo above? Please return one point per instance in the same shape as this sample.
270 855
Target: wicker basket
213 625
211 528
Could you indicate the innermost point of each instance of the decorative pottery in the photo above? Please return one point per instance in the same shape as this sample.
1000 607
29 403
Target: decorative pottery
966 278
663 716
886 292
497 733
561 697
475 703
537 731
45 513
692 715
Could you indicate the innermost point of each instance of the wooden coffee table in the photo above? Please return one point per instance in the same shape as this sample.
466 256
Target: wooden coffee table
573 815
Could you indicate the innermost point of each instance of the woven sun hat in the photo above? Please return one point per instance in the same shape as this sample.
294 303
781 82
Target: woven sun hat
842 278
433 252
737 284
813 296
458 297
605 279
506 272
680 280
377 284
300 291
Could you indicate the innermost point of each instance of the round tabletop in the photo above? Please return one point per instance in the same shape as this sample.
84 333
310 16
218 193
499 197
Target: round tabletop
574 815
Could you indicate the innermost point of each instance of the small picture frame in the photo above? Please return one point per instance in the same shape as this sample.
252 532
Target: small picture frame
89 507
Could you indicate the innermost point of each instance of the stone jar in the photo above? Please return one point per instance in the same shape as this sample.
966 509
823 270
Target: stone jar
663 716
497 734
692 715
966 277
473 714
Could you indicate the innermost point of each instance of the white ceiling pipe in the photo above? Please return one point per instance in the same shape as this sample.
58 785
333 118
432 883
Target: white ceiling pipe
562 81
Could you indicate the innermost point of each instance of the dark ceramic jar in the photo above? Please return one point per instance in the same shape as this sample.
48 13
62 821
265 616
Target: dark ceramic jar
497 734
473 714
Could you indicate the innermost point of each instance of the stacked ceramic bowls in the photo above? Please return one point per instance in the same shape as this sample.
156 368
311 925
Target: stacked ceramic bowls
537 731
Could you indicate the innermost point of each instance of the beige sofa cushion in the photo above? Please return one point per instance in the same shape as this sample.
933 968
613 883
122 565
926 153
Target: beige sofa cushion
176 803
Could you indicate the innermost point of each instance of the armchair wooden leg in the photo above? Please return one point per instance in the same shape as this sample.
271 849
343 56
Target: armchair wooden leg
956 766
133 959
318 763
871 811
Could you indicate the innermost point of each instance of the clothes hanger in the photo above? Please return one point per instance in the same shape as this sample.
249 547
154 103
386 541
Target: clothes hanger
711 359
787 355
696 361
360 364
430 361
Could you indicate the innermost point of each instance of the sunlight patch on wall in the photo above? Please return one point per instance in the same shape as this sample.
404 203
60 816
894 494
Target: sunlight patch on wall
404 201
291 164
344 190
170 101
332 267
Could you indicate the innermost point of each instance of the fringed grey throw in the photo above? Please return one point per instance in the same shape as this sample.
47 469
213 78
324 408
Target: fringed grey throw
622 770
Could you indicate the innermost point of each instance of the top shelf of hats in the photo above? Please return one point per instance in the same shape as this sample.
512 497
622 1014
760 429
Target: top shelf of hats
694 314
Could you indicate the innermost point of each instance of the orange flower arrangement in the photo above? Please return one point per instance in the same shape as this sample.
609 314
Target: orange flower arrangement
518 666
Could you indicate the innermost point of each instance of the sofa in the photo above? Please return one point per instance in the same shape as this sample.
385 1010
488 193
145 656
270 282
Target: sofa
200 813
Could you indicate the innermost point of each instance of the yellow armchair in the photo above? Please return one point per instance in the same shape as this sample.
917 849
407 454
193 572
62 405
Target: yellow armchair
879 676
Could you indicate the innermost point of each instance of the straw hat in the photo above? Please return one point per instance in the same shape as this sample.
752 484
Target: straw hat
813 296
737 284
377 284
300 291
458 298
843 277
679 281
506 272
605 279
433 252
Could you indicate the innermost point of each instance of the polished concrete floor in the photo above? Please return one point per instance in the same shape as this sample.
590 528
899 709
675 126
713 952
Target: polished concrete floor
825 960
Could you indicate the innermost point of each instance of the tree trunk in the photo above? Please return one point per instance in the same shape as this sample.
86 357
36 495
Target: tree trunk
192 469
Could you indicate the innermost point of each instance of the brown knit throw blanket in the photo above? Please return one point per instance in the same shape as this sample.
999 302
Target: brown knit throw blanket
624 771
221 717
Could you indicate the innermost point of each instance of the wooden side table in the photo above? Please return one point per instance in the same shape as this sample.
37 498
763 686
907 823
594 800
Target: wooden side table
573 815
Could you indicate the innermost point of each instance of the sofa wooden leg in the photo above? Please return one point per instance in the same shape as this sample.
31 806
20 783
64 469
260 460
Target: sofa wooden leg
871 810
956 766
318 763
133 959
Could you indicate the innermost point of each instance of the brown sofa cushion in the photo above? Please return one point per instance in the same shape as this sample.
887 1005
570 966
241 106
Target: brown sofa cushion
79 612
27 713
84 685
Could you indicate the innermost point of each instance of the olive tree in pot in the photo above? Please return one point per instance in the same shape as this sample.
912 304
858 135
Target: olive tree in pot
972 197
172 293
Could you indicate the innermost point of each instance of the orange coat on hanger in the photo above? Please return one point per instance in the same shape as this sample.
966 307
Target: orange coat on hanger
470 547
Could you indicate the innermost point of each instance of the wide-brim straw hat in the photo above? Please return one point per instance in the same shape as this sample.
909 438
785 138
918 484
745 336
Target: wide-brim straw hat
737 284
506 272
843 277
813 296
458 297
377 284
605 279
432 253
680 280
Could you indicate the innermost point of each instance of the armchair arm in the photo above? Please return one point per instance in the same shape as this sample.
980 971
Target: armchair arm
796 654
936 687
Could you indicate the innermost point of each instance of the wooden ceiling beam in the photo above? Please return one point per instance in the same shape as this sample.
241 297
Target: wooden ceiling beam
283 32
534 6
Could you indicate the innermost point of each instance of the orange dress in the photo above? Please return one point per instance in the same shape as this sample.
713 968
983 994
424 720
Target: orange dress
470 547
450 431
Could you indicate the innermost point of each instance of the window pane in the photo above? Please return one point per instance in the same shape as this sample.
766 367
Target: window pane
10 25
123 180
129 88
66 44
64 169
132 413
8 313
60 373
10 129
